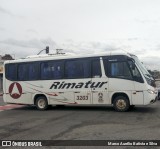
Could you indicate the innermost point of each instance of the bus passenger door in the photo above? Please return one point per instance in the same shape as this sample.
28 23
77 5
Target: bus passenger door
99 86
137 94
138 85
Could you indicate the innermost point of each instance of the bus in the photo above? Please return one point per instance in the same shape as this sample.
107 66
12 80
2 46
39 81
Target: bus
115 79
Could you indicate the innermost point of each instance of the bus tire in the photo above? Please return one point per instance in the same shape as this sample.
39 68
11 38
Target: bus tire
121 104
41 103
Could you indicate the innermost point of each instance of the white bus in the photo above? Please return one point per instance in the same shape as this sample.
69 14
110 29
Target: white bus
107 79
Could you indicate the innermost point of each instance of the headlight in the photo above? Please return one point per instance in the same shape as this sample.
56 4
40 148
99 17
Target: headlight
151 92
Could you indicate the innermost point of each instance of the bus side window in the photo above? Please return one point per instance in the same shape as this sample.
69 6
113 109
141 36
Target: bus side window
135 72
45 70
119 70
33 71
22 72
57 70
96 69
11 72
86 68
52 70
75 69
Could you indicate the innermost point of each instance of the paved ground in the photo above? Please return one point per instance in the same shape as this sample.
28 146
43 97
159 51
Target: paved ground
80 123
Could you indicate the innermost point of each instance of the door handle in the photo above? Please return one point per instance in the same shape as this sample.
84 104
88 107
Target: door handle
76 92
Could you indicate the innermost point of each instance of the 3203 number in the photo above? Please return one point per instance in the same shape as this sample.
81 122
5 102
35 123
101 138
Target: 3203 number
82 98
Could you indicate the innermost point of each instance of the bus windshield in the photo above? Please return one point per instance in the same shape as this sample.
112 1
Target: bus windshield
142 67
149 78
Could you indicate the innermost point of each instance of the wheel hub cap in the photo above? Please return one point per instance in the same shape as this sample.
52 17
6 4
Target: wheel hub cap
121 104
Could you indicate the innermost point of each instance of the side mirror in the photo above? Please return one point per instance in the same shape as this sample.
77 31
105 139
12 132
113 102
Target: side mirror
133 66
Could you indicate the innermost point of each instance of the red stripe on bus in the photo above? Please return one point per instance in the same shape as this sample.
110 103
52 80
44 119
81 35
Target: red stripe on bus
11 106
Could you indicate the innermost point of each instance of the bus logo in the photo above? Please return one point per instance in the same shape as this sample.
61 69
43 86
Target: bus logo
15 90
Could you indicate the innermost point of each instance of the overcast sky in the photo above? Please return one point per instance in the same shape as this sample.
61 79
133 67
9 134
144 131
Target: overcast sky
81 26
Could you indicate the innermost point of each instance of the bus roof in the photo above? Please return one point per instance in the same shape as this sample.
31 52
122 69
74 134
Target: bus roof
64 56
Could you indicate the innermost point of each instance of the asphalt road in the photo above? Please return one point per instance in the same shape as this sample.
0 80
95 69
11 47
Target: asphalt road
80 123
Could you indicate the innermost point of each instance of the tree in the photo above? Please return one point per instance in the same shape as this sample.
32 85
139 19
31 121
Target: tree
7 57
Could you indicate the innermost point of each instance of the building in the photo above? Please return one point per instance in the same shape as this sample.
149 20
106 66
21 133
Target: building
2 59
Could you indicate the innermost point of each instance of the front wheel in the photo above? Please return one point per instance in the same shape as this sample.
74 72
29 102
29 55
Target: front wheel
41 103
121 104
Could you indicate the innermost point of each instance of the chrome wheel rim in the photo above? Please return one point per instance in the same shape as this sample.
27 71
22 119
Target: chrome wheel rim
121 104
41 103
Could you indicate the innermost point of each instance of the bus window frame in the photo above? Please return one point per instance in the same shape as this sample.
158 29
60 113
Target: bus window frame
118 61
6 71
46 61
93 60
38 63
140 80
75 59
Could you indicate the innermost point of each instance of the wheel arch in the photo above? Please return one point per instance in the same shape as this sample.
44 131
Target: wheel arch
120 94
39 95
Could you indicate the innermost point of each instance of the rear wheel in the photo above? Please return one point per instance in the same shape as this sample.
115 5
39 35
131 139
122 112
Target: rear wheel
41 103
121 104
